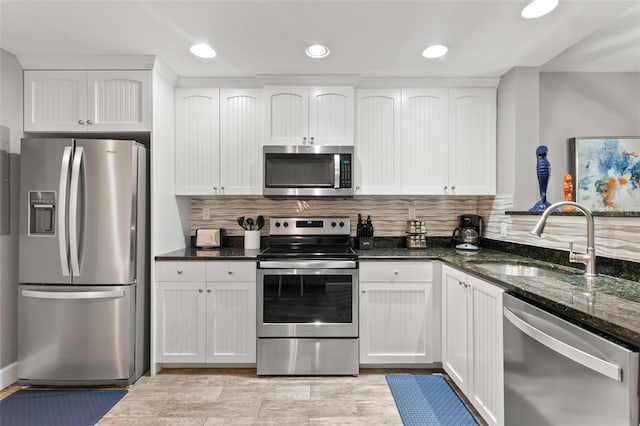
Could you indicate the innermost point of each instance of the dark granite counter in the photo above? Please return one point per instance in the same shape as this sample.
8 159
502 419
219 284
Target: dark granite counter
225 253
604 303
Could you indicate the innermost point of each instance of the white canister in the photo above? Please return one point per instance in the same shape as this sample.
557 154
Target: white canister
251 240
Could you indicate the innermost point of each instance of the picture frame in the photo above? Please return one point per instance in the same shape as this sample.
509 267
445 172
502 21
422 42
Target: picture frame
606 173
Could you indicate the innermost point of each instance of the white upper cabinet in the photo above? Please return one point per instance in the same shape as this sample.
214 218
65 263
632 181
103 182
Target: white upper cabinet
425 150
94 101
218 149
472 141
298 115
378 151
240 141
197 143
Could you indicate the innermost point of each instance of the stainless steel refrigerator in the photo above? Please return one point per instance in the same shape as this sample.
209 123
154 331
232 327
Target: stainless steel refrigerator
83 285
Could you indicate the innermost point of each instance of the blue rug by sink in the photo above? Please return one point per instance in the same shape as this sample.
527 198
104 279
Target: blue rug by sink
427 401
57 407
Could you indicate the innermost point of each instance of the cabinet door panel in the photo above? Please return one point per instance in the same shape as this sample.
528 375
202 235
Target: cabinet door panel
455 326
424 141
231 322
331 115
181 328
287 115
197 141
487 381
395 323
472 141
378 162
55 101
119 100
240 146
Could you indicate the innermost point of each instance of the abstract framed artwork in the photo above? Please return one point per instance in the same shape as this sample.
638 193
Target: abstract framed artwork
606 172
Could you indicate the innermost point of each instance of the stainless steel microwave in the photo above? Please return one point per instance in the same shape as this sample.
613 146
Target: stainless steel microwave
308 171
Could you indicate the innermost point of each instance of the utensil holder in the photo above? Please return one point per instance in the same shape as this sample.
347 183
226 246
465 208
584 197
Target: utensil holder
252 240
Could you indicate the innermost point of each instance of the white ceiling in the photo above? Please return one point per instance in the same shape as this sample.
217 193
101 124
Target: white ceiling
368 38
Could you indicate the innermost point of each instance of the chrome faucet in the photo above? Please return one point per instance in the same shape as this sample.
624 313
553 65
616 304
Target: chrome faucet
588 258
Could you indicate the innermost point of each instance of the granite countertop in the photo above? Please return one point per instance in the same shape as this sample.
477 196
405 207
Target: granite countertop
224 253
611 306
606 303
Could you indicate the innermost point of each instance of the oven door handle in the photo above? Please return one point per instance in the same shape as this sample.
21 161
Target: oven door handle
307 264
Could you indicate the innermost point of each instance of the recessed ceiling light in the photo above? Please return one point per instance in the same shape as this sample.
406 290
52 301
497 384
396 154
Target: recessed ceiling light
202 50
538 8
317 51
435 51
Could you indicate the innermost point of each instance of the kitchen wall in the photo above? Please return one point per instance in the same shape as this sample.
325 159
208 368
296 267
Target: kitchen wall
568 104
10 116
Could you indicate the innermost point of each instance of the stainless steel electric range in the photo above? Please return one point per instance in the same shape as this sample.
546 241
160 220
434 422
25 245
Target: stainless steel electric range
308 298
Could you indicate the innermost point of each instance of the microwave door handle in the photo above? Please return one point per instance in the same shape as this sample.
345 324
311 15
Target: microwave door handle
336 164
73 211
62 210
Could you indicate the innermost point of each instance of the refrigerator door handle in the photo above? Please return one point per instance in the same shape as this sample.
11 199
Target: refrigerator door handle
62 210
596 364
73 295
73 209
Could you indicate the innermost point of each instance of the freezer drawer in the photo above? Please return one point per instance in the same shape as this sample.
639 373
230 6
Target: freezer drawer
557 373
71 335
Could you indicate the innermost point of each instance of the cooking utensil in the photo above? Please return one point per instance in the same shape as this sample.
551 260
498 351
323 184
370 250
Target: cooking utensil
260 222
240 220
249 223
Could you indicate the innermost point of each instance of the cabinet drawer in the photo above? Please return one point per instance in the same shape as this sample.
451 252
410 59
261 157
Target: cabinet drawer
396 271
231 271
181 271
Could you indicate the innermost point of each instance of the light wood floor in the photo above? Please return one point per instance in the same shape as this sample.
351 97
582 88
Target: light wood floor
239 397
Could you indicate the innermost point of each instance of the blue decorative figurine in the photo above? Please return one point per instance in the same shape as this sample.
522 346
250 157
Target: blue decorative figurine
543 169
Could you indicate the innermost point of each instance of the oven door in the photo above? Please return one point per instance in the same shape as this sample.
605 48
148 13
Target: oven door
298 301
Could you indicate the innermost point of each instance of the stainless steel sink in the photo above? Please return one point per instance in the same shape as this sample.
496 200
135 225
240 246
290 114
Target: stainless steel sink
522 270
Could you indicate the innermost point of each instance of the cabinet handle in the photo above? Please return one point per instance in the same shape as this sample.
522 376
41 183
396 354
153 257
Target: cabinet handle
311 140
89 122
304 140
81 122
179 271
200 290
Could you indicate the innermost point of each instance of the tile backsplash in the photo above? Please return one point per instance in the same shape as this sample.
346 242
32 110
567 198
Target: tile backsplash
388 214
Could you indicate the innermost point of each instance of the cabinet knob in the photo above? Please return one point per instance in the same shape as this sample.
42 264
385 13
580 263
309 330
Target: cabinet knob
179 271
89 122
222 188
229 272
81 122
200 290
215 188
363 291
304 140
208 290
311 140
357 188
460 283
395 272
445 187
453 188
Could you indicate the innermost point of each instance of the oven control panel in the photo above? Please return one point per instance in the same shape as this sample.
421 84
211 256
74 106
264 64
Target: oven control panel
309 226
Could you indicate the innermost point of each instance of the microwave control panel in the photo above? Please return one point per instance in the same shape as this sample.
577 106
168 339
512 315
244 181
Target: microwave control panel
345 170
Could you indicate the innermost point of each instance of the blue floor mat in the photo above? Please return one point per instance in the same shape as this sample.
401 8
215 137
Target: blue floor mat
427 400
57 407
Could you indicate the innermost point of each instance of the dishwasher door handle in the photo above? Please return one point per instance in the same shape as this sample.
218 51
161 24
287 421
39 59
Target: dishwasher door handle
596 364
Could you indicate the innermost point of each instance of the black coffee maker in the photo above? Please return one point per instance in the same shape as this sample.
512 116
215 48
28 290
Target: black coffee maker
467 234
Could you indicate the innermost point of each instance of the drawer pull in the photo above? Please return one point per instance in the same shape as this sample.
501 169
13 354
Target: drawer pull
200 290
396 272
179 271
229 272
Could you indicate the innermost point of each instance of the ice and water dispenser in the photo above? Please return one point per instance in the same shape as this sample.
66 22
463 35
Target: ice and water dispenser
42 213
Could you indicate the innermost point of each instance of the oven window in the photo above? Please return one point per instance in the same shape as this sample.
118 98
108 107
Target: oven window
308 299
299 170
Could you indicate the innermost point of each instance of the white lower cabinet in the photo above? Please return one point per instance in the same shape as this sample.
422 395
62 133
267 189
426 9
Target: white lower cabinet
399 321
472 341
205 312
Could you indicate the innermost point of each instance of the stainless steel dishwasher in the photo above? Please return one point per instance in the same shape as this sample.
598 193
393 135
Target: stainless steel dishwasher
557 373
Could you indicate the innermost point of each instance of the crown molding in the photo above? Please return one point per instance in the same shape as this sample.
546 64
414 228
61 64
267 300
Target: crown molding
308 79
166 73
122 62
213 82
405 82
